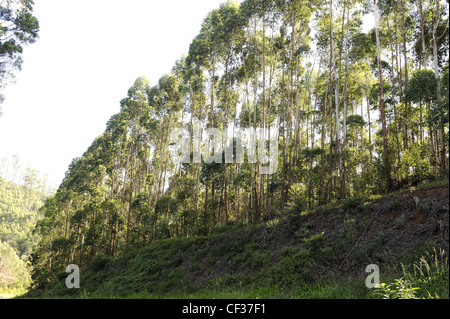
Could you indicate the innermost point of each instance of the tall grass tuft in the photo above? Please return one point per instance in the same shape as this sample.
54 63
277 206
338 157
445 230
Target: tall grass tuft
427 279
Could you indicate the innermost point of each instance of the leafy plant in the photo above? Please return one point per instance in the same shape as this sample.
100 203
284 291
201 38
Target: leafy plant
415 165
427 279
400 289
294 267
316 242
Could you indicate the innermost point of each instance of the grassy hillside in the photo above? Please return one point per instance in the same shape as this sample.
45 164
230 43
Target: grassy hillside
322 254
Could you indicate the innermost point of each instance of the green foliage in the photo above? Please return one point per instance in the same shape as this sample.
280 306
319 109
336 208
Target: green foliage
254 257
297 199
99 262
414 165
443 107
351 203
398 290
18 27
427 279
14 272
355 121
316 243
19 213
293 268
422 87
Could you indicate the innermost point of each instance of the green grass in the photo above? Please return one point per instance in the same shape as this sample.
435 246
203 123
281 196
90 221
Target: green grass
428 185
426 279
337 290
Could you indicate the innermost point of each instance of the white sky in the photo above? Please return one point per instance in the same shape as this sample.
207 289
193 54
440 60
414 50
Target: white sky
88 54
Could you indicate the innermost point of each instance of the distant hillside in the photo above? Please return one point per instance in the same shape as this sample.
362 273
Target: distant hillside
322 254
19 212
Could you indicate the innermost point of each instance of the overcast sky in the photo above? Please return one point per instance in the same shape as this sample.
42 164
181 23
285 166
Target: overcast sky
88 54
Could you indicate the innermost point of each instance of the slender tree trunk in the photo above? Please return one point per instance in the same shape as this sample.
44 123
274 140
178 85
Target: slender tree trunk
398 69
382 107
438 87
322 190
284 190
393 48
263 124
255 108
343 173
224 145
424 50
336 94
291 104
405 115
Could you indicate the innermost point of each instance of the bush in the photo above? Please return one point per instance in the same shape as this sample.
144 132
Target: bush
316 243
293 268
414 165
428 278
351 203
99 262
297 201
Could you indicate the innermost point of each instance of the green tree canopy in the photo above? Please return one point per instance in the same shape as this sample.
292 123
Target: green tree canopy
18 27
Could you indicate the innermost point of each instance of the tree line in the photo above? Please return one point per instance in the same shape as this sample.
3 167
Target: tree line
359 113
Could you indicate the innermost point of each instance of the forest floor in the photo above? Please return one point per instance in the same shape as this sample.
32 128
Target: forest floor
322 254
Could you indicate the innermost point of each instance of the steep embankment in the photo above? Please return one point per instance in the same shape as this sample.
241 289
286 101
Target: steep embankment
281 258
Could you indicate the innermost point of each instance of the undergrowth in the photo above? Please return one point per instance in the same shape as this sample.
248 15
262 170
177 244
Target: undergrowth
426 279
241 262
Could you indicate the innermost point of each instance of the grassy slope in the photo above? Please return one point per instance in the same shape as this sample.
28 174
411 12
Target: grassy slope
323 254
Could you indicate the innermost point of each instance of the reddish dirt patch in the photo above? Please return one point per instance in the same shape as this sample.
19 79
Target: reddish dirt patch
391 215
388 215
419 218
